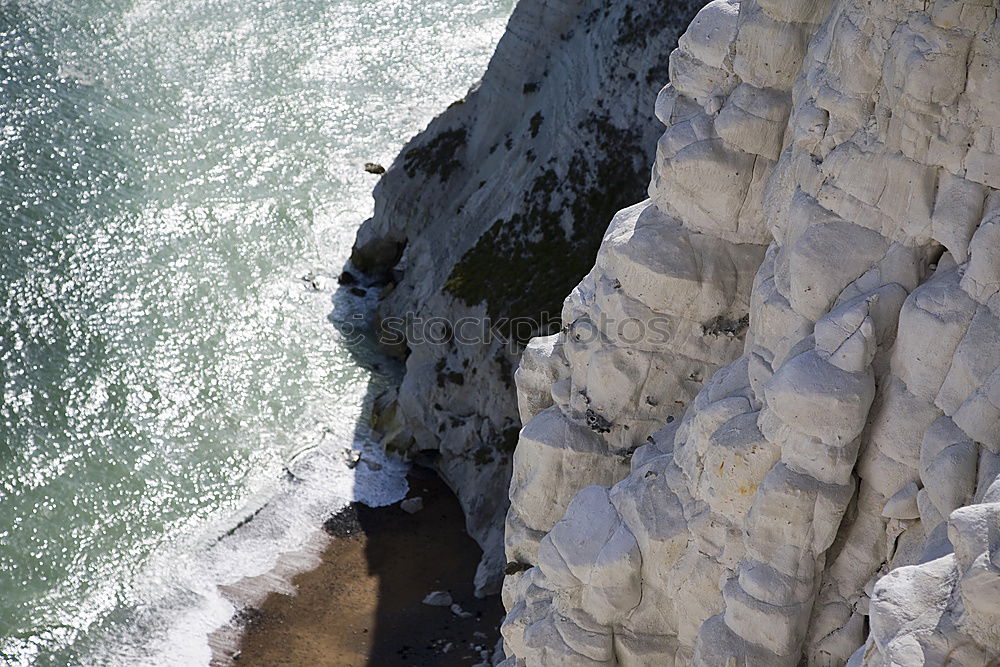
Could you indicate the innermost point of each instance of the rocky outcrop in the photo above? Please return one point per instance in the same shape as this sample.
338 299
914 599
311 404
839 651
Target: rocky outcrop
487 219
818 482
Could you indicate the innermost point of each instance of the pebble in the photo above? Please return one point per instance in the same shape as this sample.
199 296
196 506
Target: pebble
458 611
352 458
438 599
412 505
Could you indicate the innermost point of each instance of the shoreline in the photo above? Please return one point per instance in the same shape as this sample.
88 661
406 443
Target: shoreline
354 596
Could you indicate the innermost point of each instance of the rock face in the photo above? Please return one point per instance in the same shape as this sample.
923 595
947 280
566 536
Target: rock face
818 482
489 217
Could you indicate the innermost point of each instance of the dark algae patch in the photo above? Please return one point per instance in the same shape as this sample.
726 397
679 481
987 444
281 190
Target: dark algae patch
508 441
638 27
438 156
514 567
721 326
524 266
536 124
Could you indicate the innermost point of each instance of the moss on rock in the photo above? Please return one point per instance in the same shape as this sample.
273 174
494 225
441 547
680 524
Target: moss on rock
439 156
524 266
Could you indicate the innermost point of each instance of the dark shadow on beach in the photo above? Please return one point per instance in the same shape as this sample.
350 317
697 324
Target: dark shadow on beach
363 606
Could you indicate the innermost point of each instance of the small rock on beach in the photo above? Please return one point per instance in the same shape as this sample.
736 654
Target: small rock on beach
412 505
438 599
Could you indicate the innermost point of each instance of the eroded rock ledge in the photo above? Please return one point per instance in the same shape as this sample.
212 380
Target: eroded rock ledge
824 486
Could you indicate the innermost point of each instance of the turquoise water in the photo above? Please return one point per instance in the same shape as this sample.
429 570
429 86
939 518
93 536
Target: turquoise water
170 171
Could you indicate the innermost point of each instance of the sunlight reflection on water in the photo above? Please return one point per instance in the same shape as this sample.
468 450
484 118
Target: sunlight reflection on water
170 171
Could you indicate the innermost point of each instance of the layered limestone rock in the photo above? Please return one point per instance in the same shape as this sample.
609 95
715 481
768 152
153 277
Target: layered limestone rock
831 493
489 217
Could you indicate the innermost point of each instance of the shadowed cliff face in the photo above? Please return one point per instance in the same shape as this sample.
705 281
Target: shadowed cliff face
489 217
822 487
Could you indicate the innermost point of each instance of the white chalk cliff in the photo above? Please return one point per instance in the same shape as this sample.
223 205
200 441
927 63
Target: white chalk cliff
798 460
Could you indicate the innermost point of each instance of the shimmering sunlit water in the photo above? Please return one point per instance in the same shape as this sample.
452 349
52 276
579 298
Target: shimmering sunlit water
169 171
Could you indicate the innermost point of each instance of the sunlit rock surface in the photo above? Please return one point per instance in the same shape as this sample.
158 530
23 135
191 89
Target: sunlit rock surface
818 483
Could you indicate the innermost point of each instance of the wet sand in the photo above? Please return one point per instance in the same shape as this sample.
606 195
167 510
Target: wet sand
362 606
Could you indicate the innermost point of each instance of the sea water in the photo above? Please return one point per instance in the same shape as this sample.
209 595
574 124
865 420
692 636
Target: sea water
180 183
